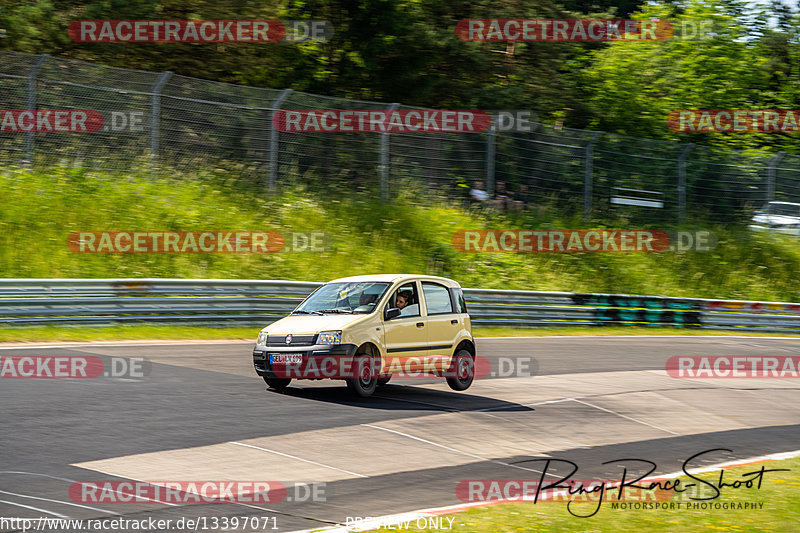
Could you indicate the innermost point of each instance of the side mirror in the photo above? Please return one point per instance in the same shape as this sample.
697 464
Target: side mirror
391 313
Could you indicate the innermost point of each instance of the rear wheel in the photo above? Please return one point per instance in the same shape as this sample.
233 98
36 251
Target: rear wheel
461 371
365 380
277 384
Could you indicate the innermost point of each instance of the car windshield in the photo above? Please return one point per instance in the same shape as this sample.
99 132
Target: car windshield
792 210
343 298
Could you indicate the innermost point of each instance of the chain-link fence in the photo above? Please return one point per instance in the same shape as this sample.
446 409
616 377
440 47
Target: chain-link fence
188 123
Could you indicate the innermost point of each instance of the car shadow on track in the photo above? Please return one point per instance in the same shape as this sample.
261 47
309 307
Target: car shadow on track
397 397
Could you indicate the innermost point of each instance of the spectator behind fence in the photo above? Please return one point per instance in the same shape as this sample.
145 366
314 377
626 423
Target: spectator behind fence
477 194
521 198
502 200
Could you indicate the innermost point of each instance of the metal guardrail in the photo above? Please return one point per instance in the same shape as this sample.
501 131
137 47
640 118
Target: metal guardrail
254 302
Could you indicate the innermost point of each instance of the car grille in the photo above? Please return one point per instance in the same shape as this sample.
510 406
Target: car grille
297 340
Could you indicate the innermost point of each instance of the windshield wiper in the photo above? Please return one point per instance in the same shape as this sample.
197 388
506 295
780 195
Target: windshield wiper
300 313
347 311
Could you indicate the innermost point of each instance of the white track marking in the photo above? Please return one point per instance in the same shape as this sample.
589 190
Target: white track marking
526 426
455 450
36 474
257 507
57 501
299 459
521 405
35 509
627 417
139 497
74 481
442 407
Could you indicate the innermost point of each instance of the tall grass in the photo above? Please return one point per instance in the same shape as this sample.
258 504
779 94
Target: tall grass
412 233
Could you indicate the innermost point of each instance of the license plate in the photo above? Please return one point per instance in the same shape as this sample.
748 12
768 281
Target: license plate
286 358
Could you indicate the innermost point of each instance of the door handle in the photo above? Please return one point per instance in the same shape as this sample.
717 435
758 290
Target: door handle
420 324
454 321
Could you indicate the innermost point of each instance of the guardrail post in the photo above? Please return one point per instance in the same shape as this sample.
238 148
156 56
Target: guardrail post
771 175
491 139
274 146
587 176
682 183
31 105
383 163
155 114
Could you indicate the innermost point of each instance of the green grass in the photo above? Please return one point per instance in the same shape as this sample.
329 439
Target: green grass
779 492
57 334
411 234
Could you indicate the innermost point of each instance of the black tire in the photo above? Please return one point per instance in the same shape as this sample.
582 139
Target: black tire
366 380
384 381
277 384
461 371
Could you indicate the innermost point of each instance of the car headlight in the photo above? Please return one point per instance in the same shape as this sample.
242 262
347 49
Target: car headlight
262 338
330 337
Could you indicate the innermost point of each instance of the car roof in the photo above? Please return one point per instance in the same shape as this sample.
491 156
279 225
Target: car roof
391 278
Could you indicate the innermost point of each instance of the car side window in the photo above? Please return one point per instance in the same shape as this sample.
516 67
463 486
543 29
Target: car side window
406 298
437 298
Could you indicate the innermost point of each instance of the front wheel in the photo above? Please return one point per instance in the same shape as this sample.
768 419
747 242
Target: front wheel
461 371
277 384
365 380
384 381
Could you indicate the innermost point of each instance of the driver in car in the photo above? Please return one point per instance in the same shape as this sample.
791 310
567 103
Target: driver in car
402 303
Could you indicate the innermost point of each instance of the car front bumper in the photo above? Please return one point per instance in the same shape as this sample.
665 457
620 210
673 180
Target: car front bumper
318 361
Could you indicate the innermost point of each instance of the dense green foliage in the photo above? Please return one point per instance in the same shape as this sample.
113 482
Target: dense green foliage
411 234
407 51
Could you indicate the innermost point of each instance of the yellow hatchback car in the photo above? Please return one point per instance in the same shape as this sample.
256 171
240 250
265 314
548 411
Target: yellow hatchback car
366 329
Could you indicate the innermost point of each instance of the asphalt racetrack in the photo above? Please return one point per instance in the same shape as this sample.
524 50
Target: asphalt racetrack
202 413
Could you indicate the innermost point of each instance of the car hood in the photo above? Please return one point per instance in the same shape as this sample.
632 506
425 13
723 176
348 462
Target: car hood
310 324
776 220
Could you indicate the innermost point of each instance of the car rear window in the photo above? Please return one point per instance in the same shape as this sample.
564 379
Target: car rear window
458 300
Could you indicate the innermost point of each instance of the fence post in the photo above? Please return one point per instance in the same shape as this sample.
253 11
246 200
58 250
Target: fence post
155 114
272 181
490 152
682 183
588 164
31 105
383 162
771 175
